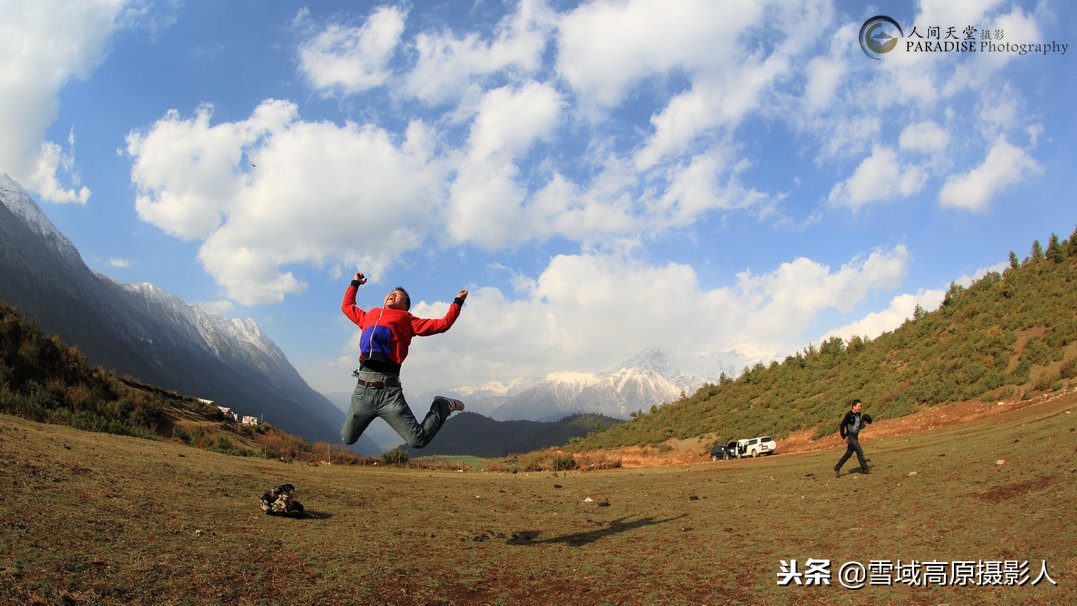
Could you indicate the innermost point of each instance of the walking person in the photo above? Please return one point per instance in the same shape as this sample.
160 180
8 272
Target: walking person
383 345
849 429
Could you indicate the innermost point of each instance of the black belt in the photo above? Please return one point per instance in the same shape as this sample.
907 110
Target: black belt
382 384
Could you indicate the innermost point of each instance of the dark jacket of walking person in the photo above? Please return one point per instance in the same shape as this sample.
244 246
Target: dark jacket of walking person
849 429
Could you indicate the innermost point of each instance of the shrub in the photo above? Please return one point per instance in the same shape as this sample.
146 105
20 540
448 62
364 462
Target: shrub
395 456
564 463
598 461
1068 369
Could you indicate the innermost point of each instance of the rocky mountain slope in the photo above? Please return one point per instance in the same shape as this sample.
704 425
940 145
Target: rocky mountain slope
152 336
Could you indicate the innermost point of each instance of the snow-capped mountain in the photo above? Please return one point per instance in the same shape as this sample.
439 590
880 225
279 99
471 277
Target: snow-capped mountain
239 338
15 198
142 331
643 381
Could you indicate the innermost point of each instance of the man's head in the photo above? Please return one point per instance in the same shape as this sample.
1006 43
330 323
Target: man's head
856 405
398 299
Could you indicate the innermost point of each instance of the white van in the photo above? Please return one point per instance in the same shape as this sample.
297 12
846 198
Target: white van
754 447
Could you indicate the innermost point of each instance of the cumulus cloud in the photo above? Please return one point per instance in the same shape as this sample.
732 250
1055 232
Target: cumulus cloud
901 308
44 45
584 310
925 137
273 190
605 48
485 201
879 177
51 162
353 59
1004 166
448 64
695 188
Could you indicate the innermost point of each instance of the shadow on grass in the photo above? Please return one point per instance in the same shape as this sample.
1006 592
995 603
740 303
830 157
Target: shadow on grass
579 539
306 515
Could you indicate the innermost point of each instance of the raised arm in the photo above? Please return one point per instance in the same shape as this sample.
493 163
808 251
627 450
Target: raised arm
432 326
348 306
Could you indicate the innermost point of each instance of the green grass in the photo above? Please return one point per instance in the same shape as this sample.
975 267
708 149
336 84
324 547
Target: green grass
94 518
460 461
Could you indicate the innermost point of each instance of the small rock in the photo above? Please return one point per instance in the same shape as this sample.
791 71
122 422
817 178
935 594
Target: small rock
912 474
1000 462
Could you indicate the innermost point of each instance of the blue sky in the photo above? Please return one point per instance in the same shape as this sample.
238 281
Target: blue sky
727 181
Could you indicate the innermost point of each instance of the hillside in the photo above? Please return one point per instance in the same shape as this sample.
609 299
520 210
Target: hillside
1006 335
140 331
44 379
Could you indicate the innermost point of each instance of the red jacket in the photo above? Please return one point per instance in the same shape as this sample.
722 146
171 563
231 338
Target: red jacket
387 333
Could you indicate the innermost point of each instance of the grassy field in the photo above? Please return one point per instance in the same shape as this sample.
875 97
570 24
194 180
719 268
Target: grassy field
93 518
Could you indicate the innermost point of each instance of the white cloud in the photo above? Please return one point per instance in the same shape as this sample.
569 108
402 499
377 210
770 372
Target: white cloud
825 75
711 103
272 191
957 13
485 200
902 307
1005 165
604 48
585 310
353 59
448 65
925 137
697 188
881 176
50 162
220 308
44 45
848 137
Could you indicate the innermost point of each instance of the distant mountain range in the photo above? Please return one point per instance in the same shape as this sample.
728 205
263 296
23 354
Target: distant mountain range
645 380
152 336
473 434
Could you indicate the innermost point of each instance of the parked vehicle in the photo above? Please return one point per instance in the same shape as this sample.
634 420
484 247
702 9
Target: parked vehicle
754 447
720 452
733 449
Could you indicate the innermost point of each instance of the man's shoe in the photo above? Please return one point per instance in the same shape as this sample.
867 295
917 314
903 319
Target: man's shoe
837 472
865 471
454 405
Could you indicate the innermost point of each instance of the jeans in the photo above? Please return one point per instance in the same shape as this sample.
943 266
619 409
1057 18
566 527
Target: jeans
389 404
854 446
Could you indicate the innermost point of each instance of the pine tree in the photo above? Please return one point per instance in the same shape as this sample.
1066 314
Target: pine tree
1054 250
1037 251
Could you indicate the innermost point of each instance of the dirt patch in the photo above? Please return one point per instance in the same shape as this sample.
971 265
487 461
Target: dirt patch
1009 491
683 452
1023 338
